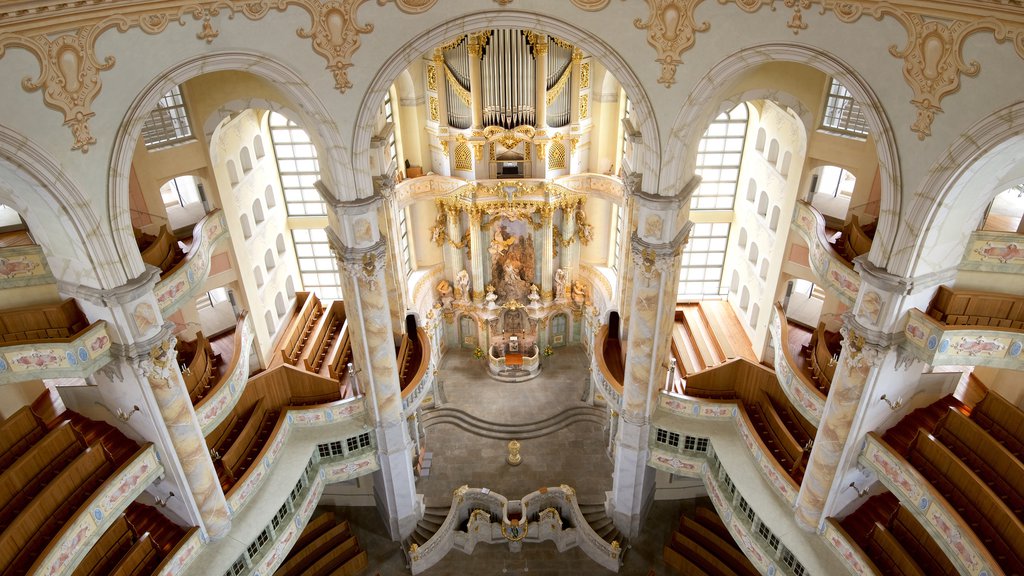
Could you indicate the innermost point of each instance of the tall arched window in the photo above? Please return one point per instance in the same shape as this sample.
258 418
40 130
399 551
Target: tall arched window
718 160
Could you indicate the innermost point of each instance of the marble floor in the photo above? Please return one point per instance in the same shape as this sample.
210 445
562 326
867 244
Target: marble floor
575 455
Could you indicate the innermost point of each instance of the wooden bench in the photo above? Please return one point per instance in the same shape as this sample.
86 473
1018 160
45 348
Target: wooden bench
300 560
161 251
313 530
50 321
299 329
31 530
989 459
888 555
241 446
341 355
1003 421
345 559
140 560
683 351
965 307
17 434
115 542
722 548
324 336
701 558
855 239
36 468
920 543
993 523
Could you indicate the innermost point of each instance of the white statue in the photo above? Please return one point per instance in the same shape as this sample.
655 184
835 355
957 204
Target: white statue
560 287
444 293
501 241
534 295
491 296
462 286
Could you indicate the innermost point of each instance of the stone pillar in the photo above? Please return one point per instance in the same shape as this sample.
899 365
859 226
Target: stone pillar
871 364
476 250
571 251
144 373
442 90
547 268
656 247
476 95
393 272
356 239
540 55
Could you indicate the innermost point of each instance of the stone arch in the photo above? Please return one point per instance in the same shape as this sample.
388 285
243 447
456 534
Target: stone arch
308 106
34 184
705 100
649 155
947 207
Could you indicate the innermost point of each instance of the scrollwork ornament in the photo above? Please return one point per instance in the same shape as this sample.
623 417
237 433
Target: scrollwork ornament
671 31
410 6
366 269
650 262
157 365
335 34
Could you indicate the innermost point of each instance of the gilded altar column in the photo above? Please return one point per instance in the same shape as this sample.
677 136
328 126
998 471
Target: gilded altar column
143 380
476 95
870 365
476 248
655 247
359 245
540 56
547 268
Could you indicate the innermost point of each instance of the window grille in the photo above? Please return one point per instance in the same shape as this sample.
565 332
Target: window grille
167 124
718 160
842 113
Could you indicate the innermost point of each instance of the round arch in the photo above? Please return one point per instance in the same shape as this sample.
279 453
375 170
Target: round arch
34 184
703 103
313 114
649 158
948 205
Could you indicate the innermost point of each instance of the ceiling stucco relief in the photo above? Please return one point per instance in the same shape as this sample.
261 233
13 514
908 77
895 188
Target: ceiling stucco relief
671 31
411 6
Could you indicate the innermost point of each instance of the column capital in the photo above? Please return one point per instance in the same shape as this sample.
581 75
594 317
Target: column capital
364 264
652 257
863 346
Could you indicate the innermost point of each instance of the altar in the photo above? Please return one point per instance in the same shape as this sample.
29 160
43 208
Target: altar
513 355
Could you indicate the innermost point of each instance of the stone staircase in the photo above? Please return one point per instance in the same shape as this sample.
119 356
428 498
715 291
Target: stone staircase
431 522
602 524
509 431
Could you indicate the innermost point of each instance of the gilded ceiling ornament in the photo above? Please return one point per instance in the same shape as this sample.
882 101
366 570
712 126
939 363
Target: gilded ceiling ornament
670 30
590 5
410 6
335 35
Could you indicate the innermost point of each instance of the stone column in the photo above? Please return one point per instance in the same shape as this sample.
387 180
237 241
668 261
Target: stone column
476 95
356 239
540 55
476 248
547 268
871 364
143 373
656 247
393 271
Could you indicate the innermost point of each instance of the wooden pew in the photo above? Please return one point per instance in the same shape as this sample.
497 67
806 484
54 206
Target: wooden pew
50 321
920 543
855 240
702 558
140 560
993 523
300 561
108 550
23 479
965 307
1002 420
341 355
985 456
24 537
323 338
17 434
163 251
236 452
336 561
887 553
723 549
300 327
313 530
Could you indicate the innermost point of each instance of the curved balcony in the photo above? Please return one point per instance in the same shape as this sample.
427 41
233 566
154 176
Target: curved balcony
415 367
433 186
930 508
792 373
51 341
968 329
831 268
608 370
187 278
222 396
480 516
111 499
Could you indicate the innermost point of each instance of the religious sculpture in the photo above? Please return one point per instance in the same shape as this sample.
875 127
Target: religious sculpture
579 293
560 277
462 286
444 293
491 296
437 231
534 296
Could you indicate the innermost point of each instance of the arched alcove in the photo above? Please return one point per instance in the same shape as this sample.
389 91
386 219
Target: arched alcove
268 260
257 212
232 172
289 287
762 204
762 137
279 305
745 299
751 190
773 223
245 158
743 238
257 274
281 246
271 323
734 284
752 257
270 197
763 272
257 146
246 227
755 313
787 159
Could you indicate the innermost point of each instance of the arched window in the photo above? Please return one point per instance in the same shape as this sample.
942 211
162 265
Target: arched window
269 195
773 151
257 211
268 259
280 244
762 204
258 275
246 228
753 253
232 172
774 222
279 305
257 146
718 160
245 159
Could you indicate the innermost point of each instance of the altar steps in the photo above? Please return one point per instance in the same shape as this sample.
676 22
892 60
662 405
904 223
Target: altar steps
513 431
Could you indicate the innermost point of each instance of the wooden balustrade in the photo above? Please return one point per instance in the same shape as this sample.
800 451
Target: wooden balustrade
301 327
609 360
326 547
822 350
995 525
61 321
161 250
963 307
1003 421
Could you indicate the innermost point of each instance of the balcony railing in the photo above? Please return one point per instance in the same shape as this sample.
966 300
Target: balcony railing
795 382
188 277
217 404
939 344
831 268
76 357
